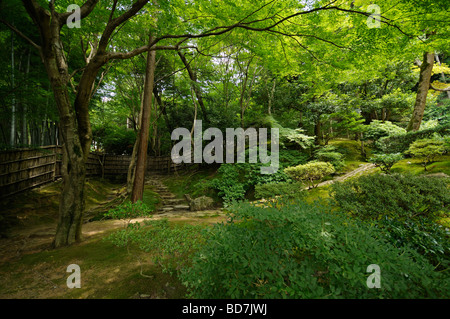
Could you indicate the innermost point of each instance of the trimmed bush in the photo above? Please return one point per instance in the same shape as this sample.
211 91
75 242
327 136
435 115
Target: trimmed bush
310 172
378 129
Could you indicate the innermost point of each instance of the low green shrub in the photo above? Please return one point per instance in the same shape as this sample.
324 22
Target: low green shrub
402 197
301 251
289 190
235 180
330 154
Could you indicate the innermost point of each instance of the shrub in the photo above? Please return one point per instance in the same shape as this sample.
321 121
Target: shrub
329 154
402 197
228 183
292 157
128 210
235 180
311 171
300 251
378 129
385 161
289 190
115 139
427 150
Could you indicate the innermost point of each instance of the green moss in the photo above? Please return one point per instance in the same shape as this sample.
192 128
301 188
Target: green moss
441 164
107 271
150 197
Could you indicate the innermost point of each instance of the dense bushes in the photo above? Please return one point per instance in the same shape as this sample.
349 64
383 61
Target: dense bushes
378 129
429 239
399 143
300 251
234 181
289 190
115 139
403 197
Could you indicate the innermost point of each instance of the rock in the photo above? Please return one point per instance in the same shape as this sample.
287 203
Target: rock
200 203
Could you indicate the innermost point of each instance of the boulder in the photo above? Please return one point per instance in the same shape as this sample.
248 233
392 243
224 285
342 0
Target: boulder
200 203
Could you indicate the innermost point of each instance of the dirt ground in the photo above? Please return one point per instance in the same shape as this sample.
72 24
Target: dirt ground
30 268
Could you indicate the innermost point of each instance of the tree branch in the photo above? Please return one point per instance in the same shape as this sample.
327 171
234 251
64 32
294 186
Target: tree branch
13 28
114 23
85 10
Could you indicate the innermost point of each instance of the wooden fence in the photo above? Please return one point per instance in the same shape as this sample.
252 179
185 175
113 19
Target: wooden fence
23 169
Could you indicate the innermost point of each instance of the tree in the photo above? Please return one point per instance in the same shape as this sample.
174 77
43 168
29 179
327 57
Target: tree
142 140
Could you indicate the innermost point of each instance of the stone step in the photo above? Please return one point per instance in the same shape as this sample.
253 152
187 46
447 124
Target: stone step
167 196
176 201
181 207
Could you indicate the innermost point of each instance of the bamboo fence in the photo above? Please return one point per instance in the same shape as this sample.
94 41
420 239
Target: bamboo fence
23 169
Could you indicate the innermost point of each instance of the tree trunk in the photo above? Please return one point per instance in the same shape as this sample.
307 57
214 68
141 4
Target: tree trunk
318 131
13 102
24 115
424 84
141 162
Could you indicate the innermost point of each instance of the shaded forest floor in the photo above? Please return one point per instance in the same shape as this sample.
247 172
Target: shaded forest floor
29 268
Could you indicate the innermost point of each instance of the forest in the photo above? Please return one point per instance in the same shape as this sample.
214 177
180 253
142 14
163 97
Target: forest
121 178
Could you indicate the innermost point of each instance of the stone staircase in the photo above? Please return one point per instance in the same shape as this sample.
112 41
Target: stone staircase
170 202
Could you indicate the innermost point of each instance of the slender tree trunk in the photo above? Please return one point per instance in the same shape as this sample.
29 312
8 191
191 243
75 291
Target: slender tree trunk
442 74
424 84
24 115
13 104
141 162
